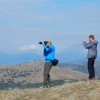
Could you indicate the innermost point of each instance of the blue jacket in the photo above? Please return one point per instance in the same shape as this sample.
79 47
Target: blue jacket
92 49
49 52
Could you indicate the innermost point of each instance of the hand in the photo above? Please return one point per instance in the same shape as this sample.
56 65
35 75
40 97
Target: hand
84 41
43 42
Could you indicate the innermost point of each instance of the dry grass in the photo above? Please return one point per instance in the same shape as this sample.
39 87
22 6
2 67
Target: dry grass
89 90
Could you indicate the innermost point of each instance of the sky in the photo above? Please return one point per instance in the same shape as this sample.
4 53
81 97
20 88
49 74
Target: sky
24 23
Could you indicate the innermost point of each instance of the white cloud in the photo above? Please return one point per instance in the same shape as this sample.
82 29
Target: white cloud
28 47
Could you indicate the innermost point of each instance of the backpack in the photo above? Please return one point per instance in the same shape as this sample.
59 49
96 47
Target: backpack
55 62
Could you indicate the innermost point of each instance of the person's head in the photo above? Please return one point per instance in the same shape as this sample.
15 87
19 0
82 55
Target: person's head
91 38
48 43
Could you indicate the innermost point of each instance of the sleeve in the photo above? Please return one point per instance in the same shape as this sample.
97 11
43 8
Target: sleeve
48 49
87 45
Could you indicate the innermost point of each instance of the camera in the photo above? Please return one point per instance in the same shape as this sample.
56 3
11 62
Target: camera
40 42
45 42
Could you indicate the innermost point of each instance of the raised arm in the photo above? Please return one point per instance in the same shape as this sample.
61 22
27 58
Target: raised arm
87 45
48 49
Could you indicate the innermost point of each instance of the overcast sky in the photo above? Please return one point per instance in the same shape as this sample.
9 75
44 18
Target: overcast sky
23 23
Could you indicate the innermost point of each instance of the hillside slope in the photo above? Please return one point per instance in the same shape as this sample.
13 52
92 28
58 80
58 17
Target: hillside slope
75 91
81 67
32 72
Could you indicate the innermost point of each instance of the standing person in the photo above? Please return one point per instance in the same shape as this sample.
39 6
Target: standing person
49 52
92 55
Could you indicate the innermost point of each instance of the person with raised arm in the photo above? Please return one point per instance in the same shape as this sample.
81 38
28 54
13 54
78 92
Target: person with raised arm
92 55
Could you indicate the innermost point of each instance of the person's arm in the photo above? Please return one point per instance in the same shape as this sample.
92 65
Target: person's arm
48 49
87 45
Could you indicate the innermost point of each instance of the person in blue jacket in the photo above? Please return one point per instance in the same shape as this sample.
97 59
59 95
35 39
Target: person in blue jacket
49 53
92 55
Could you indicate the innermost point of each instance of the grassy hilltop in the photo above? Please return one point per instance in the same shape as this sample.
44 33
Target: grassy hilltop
89 90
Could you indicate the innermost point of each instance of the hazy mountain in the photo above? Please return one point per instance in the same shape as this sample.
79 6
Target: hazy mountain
18 58
72 54
75 53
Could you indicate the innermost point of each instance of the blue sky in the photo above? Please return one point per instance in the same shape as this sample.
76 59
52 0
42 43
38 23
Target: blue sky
23 23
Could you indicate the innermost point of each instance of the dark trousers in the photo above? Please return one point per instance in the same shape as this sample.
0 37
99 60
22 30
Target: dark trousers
91 69
47 69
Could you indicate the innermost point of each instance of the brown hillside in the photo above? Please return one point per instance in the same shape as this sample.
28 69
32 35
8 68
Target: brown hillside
32 72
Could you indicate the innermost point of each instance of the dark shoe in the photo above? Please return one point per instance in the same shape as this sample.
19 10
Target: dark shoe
93 78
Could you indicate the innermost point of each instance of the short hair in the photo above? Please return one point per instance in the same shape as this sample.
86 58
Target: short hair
92 36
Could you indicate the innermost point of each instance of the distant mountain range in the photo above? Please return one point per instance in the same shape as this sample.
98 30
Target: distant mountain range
72 54
18 58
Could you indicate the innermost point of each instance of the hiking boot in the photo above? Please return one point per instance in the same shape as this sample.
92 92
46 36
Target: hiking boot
49 86
42 87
